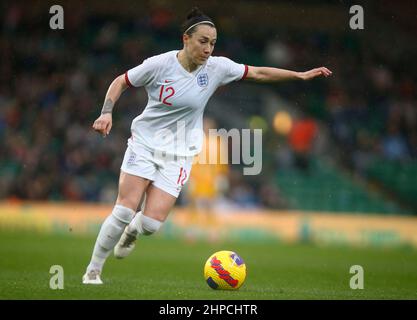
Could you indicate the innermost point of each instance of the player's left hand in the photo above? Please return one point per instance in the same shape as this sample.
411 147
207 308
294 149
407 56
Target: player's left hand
317 72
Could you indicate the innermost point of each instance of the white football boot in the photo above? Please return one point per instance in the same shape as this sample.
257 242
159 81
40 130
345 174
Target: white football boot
125 245
92 277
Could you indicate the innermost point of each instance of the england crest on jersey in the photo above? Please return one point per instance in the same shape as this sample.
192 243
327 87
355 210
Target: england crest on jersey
202 80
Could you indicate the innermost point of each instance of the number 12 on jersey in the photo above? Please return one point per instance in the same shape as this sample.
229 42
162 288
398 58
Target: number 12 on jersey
166 93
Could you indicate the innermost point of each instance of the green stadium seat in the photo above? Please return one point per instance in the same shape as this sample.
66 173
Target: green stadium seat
328 189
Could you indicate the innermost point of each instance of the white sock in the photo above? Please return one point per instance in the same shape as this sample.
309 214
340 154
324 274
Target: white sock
110 233
143 225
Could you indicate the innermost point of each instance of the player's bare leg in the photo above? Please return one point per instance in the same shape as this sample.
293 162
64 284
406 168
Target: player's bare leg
157 206
131 189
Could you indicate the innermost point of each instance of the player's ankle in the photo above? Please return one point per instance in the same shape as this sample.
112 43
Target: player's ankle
132 231
95 266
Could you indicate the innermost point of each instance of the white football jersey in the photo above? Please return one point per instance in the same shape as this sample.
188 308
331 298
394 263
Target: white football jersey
172 121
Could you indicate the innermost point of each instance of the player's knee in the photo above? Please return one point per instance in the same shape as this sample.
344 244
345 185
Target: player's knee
149 225
123 214
127 202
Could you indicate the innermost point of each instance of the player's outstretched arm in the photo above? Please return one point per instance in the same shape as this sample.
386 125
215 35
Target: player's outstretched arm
103 123
268 74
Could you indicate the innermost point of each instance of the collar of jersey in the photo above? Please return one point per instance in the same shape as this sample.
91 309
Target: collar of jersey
185 72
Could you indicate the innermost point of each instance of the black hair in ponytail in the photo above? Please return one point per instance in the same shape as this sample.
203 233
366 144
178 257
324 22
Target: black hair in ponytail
195 17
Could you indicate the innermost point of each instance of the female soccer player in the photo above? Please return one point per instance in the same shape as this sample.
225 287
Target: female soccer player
160 152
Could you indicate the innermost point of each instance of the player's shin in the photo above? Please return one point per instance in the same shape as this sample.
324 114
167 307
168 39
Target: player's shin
110 233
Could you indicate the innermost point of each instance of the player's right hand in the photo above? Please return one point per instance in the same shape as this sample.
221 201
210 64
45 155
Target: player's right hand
103 124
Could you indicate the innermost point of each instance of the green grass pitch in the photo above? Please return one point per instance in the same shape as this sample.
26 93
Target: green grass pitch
162 268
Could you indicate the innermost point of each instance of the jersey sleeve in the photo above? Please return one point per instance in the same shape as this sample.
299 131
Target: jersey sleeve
231 71
143 74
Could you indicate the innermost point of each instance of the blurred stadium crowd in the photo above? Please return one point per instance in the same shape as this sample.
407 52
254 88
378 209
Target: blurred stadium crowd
52 85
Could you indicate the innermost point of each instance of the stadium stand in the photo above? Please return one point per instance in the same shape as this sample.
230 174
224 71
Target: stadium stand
52 84
328 189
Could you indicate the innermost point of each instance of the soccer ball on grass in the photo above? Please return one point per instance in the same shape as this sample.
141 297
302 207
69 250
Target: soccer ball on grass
225 270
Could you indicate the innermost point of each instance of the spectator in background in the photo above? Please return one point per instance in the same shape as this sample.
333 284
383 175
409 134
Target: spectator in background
394 146
301 139
277 53
208 181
